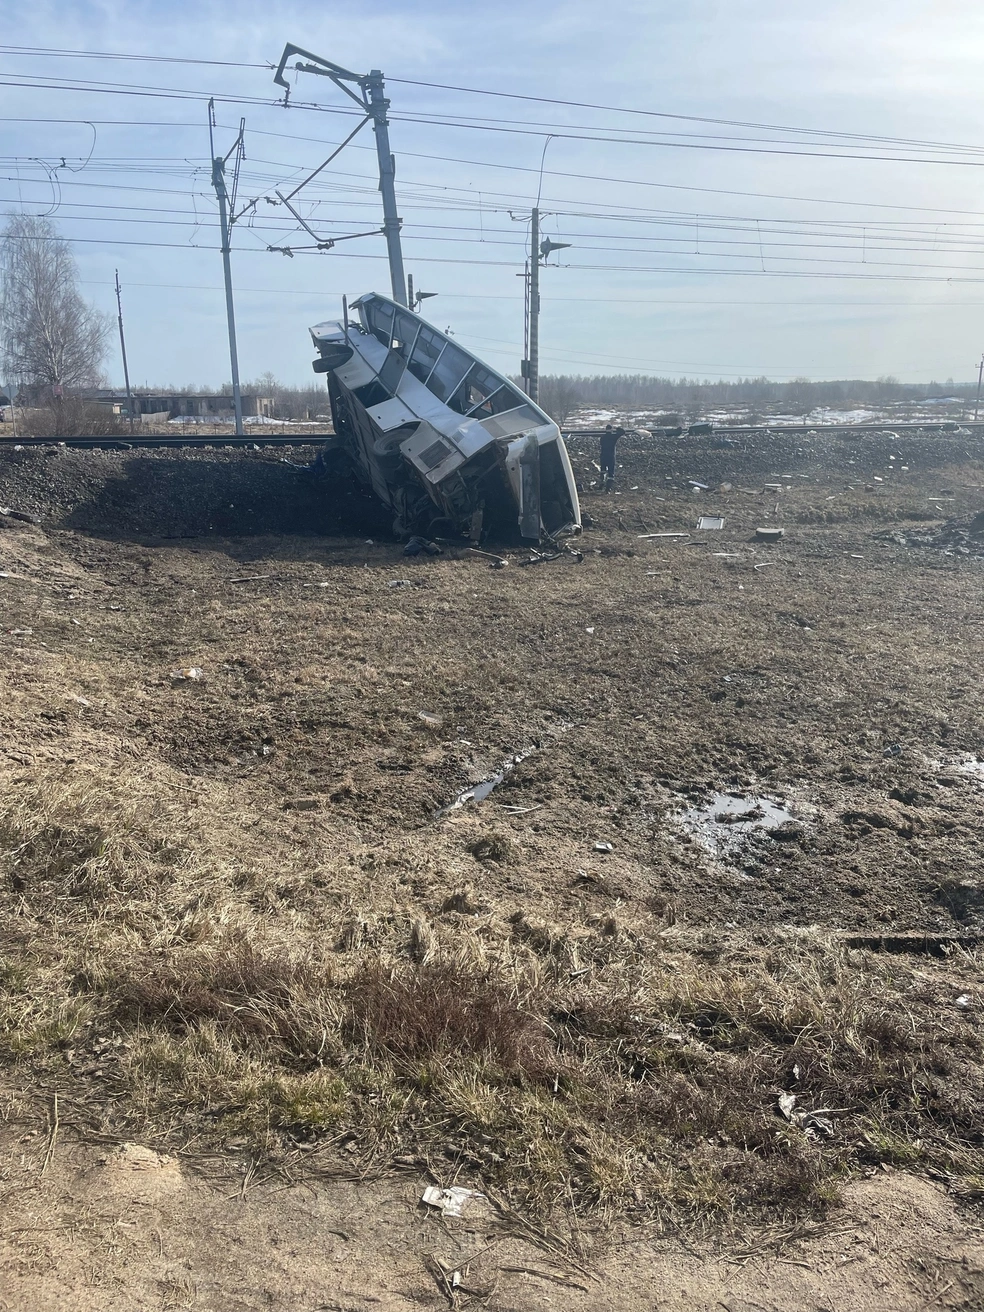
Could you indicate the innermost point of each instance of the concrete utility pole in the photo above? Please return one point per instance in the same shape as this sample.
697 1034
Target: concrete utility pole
533 362
980 375
126 371
539 251
218 182
374 105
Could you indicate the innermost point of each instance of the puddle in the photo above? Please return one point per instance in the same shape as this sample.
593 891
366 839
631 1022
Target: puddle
971 765
723 823
479 792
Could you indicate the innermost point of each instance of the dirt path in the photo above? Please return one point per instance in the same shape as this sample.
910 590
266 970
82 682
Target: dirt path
118 1227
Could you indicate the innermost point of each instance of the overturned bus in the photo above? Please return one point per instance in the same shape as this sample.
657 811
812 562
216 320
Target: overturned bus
449 445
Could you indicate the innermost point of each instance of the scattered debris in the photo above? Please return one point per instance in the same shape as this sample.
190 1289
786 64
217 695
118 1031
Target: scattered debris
698 487
432 721
190 675
418 545
496 562
964 1002
251 578
541 557
962 536
925 945
642 536
452 1201
399 583
20 515
815 1124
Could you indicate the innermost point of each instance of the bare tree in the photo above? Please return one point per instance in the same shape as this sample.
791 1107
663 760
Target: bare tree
49 336
559 396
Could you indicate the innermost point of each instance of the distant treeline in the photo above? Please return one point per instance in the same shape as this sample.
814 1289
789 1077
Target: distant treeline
561 394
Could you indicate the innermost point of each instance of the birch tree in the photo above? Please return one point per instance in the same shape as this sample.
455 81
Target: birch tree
50 337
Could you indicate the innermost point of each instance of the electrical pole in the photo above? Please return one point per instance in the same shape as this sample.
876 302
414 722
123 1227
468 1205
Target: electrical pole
126 371
533 360
392 223
980 375
218 182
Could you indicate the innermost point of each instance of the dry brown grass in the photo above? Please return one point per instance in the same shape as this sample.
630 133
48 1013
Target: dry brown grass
644 1081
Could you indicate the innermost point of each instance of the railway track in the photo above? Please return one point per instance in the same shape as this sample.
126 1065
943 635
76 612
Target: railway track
115 442
754 430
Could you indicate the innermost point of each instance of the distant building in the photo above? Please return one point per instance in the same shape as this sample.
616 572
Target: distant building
176 405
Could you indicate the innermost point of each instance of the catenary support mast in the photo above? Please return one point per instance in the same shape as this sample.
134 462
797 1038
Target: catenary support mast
371 98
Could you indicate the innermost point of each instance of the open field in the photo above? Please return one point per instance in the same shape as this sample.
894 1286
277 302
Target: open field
707 962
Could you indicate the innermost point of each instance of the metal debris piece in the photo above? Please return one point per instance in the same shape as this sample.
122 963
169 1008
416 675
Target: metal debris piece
604 847
707 523
815 1124
450 1202
769 534
190 675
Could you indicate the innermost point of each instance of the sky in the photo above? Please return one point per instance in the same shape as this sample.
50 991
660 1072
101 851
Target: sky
826 225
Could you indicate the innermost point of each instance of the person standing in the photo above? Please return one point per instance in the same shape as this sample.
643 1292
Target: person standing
609 441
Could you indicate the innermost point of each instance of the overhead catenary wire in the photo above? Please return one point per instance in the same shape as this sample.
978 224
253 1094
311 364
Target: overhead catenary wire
53 51
85 86
503 166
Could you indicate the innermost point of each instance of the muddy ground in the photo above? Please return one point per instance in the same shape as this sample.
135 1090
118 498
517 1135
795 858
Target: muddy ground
835 671
348 694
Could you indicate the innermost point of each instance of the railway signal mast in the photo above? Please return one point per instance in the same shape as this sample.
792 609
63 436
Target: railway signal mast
539 251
